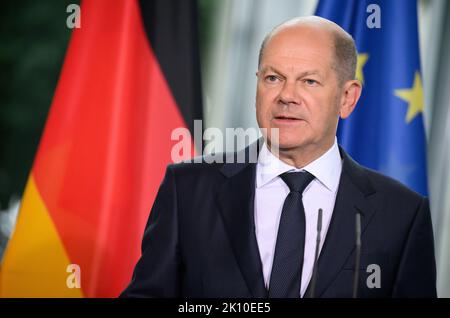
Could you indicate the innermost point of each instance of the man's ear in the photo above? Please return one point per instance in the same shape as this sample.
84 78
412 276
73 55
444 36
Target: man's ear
350 96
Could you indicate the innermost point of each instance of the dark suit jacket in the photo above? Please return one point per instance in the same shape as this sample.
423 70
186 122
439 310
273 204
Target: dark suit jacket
200 238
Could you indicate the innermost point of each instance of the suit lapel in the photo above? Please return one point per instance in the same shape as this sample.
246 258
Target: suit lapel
354 189
236 204
235 200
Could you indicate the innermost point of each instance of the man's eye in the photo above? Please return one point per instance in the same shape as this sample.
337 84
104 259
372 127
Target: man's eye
310 82
271 78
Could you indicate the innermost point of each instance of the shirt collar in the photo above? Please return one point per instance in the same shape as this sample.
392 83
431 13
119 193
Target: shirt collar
327 168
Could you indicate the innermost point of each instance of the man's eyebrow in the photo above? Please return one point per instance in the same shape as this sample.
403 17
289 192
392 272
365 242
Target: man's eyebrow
270 68
302 74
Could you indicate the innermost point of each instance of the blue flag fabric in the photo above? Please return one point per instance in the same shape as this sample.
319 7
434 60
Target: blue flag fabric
386 130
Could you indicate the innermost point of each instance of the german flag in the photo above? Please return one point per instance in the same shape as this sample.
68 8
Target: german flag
130 76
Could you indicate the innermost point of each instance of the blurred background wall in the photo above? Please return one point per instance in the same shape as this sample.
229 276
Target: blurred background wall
34 37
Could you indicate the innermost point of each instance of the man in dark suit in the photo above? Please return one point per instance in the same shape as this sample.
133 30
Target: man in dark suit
248 229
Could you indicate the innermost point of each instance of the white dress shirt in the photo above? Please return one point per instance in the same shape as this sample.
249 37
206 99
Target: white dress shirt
271 191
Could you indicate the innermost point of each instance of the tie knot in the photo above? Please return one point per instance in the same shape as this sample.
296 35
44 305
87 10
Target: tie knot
297 181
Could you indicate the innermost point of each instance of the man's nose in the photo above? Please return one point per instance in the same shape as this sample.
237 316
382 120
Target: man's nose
288 94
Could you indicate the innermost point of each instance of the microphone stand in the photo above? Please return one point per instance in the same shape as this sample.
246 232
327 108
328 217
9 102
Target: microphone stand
357 255
316 255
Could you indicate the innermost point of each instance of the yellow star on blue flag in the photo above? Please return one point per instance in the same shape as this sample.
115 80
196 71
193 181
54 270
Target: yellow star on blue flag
361 61
414 98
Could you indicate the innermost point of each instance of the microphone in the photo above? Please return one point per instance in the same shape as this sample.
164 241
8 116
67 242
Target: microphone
357 254
316 255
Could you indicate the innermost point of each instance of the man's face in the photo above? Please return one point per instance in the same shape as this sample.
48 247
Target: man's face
298 91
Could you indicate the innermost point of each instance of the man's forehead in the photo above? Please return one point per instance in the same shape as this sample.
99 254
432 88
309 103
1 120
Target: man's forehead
292 56
300 41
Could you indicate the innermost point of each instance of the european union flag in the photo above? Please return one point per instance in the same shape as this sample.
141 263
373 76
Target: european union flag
386 130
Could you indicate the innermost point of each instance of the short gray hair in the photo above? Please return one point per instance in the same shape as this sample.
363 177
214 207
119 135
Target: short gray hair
345 54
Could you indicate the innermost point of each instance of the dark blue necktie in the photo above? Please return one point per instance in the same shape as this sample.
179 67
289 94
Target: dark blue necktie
285 279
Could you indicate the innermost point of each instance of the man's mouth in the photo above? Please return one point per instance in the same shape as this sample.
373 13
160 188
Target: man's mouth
286 118
286 121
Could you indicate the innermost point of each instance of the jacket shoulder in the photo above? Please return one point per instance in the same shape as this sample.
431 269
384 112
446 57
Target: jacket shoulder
391 187
373 181
198 165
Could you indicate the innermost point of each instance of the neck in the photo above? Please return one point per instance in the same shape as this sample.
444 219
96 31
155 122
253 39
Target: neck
300 157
